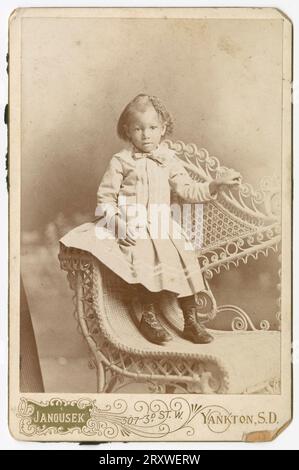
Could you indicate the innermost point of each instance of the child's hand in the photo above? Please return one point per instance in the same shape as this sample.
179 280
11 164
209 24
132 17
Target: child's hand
230 178
126 235
130 239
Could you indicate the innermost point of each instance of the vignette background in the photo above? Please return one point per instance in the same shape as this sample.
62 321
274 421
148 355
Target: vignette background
221 80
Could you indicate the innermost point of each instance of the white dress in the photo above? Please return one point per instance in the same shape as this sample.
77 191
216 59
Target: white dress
163 257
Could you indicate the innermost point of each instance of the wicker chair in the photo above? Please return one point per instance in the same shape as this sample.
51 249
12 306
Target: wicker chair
238 225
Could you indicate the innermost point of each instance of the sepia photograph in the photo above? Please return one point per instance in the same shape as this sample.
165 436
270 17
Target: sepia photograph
151 167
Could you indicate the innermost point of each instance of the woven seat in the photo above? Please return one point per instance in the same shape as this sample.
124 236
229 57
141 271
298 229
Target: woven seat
236 226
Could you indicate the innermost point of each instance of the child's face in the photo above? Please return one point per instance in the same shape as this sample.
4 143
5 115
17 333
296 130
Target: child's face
146 130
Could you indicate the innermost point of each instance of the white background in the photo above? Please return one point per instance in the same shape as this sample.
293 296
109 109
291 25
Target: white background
289 438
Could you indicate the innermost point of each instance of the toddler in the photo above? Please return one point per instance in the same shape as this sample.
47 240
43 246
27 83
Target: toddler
135 234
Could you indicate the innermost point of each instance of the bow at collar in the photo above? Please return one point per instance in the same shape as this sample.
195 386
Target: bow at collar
155 155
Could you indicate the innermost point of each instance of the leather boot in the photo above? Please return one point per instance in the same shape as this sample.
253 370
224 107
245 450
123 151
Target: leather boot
194 331
151 328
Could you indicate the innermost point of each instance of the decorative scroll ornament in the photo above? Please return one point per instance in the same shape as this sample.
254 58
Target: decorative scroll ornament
154 419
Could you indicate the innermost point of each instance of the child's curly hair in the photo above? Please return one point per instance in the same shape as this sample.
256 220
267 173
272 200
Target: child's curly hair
140 103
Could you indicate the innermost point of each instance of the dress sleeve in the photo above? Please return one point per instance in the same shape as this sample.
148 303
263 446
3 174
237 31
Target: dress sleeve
188 189
107 194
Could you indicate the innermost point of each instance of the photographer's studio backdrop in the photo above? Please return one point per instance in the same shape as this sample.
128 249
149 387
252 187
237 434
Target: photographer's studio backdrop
221 79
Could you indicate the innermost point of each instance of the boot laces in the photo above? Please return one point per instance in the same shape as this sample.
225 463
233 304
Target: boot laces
150 317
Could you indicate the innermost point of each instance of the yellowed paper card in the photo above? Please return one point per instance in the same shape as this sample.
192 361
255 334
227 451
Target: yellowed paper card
150 224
